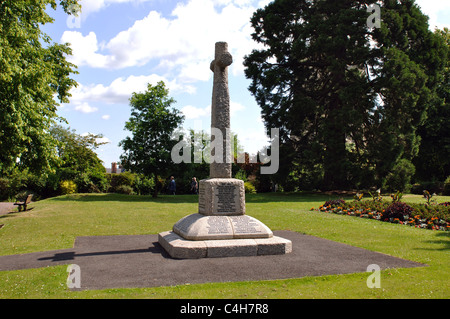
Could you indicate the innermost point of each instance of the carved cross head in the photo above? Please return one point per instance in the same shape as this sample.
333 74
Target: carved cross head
223 58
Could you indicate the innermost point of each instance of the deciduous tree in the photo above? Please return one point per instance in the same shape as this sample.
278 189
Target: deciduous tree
33 71
152 122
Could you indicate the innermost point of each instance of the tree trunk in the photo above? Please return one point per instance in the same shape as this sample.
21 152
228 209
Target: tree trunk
155 190
335 159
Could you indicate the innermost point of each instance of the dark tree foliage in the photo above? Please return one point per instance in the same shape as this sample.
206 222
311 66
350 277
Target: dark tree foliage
433 160
348 99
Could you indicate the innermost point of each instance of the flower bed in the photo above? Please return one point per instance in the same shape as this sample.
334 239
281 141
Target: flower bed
435 217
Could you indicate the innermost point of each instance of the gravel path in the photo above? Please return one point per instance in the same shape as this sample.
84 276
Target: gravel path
5 208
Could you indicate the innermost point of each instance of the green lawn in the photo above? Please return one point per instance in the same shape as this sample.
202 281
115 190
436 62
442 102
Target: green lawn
55 223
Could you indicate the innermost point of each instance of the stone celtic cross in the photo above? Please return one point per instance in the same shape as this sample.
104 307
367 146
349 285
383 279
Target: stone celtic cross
220 113
221 228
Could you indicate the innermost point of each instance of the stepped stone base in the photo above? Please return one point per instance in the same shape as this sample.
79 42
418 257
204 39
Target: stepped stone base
178 247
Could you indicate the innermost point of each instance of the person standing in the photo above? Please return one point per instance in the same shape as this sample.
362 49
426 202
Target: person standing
172 186
194 186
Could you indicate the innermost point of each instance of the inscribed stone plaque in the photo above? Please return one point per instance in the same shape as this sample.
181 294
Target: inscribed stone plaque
245 225
221 197
201 199
218 225
249 227
226 199
183 224
200 227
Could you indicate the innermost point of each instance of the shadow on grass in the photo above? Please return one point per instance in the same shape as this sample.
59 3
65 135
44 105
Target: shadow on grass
111 197
173 199
15 213
442 238
300 197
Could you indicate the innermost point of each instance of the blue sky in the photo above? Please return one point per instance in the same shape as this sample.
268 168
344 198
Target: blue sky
121 45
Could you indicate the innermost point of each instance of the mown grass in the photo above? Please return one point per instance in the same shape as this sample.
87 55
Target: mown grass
55 223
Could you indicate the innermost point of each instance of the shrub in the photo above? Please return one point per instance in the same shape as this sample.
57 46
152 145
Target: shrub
68 187
432 187
4 188
124 189
334 202
399 178
144 185
123 179
399 210
446 190
241 175
249 188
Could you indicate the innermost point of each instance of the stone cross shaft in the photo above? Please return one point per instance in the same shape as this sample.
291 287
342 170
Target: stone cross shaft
220 113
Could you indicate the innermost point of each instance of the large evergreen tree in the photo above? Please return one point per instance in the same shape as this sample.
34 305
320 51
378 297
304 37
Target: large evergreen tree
347 97
32 71
433 160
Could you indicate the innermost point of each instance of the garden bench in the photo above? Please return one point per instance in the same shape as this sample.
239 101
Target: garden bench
24 203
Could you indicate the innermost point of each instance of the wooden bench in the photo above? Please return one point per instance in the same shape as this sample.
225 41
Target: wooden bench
24 203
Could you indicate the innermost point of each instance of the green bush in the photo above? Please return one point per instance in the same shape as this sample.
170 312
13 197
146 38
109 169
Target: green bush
399 179
16 183
4 188
446 190
144 185
241 175
249 188
432 187
68 187
124 189
123 179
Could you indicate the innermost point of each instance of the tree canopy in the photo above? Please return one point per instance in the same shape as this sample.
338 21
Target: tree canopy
152 122
33 71
348 98
433 160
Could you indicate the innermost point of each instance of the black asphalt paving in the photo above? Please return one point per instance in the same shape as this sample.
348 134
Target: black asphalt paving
139 261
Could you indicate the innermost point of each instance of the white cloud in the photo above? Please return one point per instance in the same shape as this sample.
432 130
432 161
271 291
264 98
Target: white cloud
85 108
84 50
192 112
183 43
120 90
106 117
433 8
98 140
253 138
91 6
103 140
236 107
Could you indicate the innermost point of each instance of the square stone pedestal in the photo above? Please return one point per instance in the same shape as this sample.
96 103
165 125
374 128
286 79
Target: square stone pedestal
178 247
221 196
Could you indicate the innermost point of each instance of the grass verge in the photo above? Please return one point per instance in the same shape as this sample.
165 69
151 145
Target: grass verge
55 223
